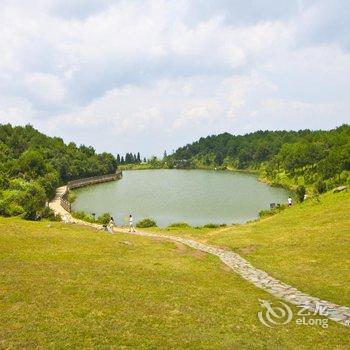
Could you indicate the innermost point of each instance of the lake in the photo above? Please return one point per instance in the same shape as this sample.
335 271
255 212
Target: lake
196 197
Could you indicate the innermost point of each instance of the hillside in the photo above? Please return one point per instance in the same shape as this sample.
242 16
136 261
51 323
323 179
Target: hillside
33 165
290 158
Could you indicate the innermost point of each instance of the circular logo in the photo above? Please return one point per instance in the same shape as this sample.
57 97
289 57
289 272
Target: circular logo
274 315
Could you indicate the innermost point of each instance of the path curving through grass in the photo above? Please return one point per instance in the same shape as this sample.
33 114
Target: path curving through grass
275 287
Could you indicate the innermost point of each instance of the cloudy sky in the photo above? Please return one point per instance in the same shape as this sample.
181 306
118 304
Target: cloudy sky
153 75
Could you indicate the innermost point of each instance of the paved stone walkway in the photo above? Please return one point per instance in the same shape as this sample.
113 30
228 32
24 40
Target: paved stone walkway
259 278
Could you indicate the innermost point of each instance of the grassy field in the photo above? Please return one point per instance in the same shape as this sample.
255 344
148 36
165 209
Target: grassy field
307 245
72 287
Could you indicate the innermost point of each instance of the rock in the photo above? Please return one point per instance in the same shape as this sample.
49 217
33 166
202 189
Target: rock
339 189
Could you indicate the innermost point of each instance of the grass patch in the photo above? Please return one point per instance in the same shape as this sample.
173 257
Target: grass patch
179 225
65 286
274 211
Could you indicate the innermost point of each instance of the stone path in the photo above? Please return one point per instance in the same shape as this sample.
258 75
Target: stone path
259 278
55 204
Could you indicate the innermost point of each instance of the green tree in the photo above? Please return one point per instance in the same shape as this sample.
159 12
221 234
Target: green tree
32 164
320 187
219 159
301 191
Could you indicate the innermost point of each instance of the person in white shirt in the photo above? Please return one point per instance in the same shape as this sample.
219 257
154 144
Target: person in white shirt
110 225
131 224
290 201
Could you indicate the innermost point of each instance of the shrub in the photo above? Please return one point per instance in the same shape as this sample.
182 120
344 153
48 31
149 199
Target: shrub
180 225
320 187
81 215
104 219
211 225
34 200
15 209
270 212
48 213
71 197
2 207
146 223
26 198
49 183
301 193
4 182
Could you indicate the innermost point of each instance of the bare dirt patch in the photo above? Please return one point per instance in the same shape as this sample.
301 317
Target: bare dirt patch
184 250
250 249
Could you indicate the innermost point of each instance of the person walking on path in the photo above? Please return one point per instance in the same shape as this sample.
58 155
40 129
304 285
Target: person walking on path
290 201
110 225
131 224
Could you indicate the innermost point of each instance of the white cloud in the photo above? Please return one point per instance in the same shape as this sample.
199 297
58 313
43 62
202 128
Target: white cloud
45 87
15 111
182 68
197 113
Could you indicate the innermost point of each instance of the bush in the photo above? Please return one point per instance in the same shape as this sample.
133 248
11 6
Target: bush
71 197
26 198
146 223
104 219
301 191
48 213
4 182
49 183
15 209
81 215
320 187
211 225
34 200
270 212
179 225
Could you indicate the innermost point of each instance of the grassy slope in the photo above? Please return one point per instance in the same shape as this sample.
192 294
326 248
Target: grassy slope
307 246
71 287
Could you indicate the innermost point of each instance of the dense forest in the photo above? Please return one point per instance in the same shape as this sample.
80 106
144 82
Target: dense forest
305 157
33 165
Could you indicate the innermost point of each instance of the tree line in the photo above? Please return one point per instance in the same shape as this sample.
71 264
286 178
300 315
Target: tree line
300 157
130 158
33 165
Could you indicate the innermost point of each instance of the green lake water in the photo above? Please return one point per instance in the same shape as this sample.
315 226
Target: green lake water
197 197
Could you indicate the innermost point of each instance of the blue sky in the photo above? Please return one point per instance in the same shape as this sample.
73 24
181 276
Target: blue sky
153 75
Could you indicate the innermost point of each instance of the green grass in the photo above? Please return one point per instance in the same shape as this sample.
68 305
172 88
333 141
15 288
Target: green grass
307 245
72 287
